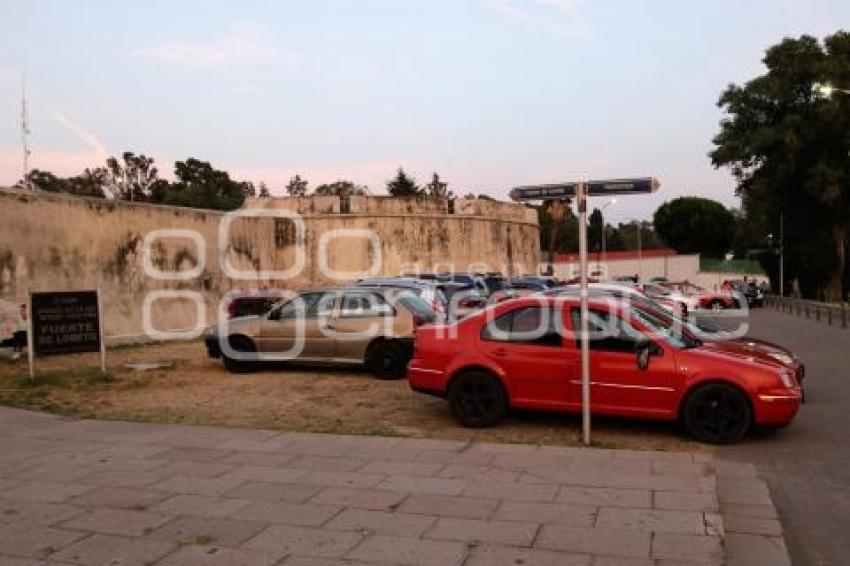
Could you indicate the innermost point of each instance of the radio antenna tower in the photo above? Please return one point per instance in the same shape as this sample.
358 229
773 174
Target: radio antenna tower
25 131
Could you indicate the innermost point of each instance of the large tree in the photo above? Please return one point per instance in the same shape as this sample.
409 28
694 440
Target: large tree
695 225
296 187
130 177
403 185
786 138
200 185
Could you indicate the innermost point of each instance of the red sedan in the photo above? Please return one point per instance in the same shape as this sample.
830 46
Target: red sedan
524 353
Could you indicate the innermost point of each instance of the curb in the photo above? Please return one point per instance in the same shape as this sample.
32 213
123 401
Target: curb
753 532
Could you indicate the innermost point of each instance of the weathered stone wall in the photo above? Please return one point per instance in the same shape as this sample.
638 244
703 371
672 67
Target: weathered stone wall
55 242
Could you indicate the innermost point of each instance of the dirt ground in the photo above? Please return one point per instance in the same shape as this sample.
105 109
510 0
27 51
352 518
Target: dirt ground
197 390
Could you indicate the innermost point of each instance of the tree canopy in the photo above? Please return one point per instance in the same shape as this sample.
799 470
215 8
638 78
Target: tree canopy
403 185
695 225
786 137
340 189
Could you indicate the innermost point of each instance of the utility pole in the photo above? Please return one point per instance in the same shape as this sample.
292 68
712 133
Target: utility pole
25 131
581 202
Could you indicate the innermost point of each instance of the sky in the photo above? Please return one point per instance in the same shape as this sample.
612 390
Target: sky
489 93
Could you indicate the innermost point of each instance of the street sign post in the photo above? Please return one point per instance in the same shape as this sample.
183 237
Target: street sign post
581 190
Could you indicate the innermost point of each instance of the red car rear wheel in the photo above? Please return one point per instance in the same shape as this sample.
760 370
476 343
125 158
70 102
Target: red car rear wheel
477 399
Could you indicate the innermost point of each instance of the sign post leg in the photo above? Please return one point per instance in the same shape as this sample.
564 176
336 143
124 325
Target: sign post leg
101 326
581 198
30 338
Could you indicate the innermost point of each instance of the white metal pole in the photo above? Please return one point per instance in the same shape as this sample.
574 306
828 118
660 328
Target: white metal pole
640 251
581 198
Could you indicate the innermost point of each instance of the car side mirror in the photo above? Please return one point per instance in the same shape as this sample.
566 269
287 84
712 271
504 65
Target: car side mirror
642 351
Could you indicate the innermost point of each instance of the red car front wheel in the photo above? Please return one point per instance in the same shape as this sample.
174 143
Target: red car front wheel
717 413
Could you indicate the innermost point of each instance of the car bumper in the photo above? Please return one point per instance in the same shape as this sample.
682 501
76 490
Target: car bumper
778 407
426 380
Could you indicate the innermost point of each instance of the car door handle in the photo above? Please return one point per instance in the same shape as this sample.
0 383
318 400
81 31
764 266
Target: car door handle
501 352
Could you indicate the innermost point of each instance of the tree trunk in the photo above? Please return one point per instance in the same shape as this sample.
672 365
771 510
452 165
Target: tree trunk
835 288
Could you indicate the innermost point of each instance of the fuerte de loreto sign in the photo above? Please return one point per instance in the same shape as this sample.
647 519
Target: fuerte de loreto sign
592 188
65 322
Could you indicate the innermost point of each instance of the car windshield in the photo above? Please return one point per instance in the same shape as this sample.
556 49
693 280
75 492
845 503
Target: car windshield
664 328
417 305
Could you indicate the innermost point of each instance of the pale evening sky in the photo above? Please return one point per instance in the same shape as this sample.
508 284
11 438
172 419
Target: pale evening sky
489 93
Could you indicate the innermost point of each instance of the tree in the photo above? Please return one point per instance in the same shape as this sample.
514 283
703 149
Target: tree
296 187
785 140
595 225
200 185
263 191
614 239
437 188
90 183
403 185
558 227
340 189
130 178
696 225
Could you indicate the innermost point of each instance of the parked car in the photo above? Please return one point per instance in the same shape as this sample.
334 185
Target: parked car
373 326
698 298
523 353
494 282
470 279
749 290
428 290
623 291
251 303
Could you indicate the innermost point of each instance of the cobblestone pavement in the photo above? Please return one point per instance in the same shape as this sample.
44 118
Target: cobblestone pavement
93 492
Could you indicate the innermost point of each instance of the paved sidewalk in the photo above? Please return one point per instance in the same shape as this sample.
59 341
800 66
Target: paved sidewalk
91 492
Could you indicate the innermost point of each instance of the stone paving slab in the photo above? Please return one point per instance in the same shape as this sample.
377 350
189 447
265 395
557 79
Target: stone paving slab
97 492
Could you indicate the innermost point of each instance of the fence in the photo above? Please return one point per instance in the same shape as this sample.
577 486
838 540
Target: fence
832 314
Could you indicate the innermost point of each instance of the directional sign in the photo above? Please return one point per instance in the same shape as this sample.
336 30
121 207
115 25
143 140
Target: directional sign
593 188
622 186
544 192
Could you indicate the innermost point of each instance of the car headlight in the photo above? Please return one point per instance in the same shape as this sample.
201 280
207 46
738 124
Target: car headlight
787 379
782 358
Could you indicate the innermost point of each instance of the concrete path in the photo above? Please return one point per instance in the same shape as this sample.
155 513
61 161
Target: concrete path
807 465
89 492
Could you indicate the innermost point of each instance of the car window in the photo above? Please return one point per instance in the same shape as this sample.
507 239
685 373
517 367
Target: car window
364 305
537 326
605 334
306 305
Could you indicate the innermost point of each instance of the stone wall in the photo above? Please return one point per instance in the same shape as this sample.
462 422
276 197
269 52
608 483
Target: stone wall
57 242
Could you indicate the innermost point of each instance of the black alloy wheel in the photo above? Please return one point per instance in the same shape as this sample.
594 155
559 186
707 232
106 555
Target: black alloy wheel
387 360
477 399
717 413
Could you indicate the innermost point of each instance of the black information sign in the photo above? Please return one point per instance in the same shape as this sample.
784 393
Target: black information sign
622 186
544 192
593 188
65 322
